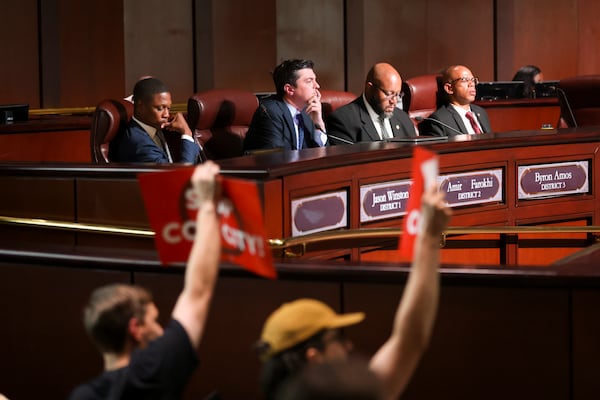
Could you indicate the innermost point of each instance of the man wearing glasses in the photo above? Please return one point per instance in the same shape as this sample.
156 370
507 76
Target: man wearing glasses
374 115
458 115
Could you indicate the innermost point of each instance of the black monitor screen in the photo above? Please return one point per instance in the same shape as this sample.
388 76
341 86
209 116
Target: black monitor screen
546 89
10 113
500 90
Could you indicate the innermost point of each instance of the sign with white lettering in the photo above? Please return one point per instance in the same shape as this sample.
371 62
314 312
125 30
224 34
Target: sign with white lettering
549 180
477 187
319 213
172 206
384 200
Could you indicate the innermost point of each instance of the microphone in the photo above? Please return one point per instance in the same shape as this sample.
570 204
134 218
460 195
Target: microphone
563 97
419 119
339 138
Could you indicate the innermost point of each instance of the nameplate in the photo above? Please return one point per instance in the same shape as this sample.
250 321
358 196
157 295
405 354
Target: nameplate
550 180
384 200
319 213
477 187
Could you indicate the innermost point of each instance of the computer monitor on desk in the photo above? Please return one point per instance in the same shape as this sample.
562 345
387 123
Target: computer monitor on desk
546 89
500 90
10 113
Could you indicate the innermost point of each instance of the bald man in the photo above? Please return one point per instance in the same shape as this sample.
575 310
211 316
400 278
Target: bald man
458 116
373 115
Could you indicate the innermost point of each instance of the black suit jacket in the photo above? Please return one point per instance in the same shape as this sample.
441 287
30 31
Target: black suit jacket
353 122
272 127
136 146
449 116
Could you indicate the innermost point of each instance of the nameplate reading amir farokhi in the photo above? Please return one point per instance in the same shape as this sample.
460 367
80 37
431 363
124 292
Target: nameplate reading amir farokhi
475 187
556 179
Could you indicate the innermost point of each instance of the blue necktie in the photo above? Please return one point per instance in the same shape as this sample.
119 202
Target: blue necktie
300 122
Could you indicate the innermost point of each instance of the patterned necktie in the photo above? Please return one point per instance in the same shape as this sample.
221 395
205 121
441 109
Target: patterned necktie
300 123
159 139
385 133
473 122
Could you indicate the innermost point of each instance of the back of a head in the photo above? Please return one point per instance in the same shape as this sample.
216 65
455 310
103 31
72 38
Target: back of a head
527 73
145 89
340 380
107 314
285 73
289 331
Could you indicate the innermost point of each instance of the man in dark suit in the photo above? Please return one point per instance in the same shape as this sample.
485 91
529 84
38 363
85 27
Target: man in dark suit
374 115
291 119
459 86
144 141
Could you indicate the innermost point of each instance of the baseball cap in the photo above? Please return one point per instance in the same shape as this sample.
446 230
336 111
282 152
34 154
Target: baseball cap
296 321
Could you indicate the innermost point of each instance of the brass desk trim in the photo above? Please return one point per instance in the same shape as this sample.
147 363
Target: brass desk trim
179 107
305 240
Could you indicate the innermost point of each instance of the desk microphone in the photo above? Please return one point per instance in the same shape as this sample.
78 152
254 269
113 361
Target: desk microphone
339 138
419 119
563 96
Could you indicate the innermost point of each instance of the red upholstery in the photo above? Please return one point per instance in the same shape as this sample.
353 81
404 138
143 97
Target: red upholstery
331 100
220 118
579 101
421 95
110 116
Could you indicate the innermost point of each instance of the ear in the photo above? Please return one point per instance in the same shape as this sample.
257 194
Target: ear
448 88
313 355
289 89
133 328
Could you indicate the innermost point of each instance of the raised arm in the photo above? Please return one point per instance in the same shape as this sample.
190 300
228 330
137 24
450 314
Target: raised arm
398 358
191 309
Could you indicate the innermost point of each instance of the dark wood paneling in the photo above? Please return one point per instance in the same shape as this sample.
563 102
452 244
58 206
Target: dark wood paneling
506 332
158 41
19 68
519 325
89 51
82 52
545 33
46 147
586 347
42 326
239 308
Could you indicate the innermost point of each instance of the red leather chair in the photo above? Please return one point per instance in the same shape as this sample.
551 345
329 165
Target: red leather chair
421 96
579 101
331 100
109 117
220 118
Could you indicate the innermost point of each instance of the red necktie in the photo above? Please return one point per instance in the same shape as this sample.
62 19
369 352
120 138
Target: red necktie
473 122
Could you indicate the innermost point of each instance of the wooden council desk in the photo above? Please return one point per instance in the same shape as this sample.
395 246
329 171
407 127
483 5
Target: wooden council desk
504 179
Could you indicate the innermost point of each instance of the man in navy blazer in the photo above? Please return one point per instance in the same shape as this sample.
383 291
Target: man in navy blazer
459 86
362 119
143 140
291 119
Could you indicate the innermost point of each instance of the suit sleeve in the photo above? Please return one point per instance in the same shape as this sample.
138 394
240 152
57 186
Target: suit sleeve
265 131
189 151
336 126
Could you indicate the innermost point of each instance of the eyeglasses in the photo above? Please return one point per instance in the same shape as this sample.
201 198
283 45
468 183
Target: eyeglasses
463 79
389 95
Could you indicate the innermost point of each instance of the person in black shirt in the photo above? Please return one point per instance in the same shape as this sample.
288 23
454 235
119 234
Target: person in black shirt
141 361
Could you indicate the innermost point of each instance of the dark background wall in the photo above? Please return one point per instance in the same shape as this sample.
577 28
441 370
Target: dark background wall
67 53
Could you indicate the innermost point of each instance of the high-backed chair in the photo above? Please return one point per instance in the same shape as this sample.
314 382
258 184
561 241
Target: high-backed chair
331 100
579 101
220 118
109 118
421 96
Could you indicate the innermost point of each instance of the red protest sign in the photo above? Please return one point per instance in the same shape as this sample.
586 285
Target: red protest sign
424 172
171 207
